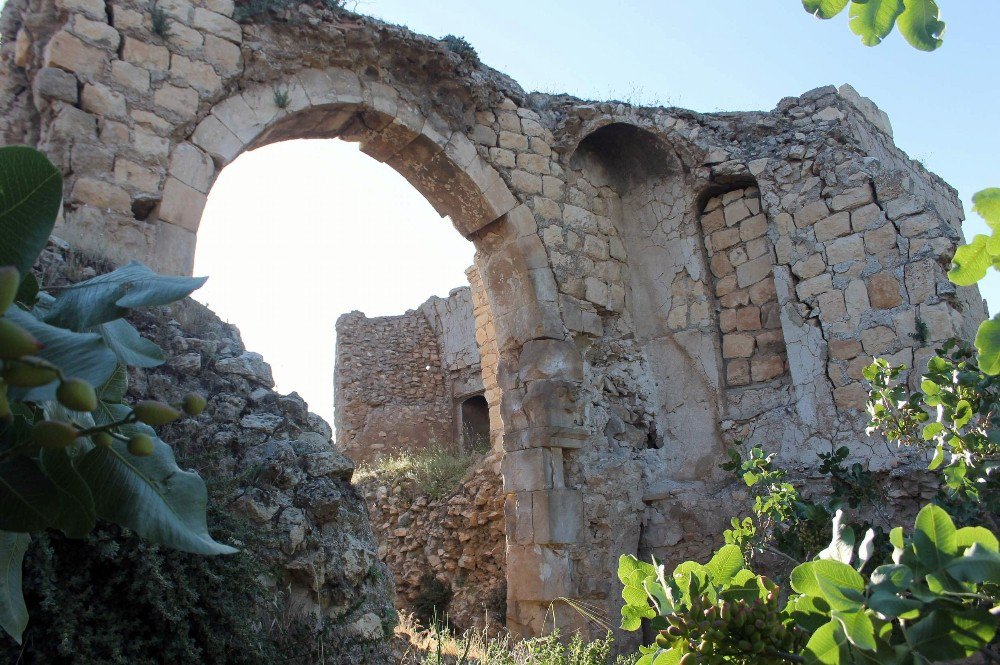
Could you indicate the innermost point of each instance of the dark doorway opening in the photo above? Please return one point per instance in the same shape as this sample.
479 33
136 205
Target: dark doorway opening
475 423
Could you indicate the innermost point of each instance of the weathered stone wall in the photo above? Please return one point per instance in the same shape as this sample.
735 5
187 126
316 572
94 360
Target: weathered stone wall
615 394
399 381
457 539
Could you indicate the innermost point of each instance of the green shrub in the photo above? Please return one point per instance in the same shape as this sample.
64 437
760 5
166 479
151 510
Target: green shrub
461 47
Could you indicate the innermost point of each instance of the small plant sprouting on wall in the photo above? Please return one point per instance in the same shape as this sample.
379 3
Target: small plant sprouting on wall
462 47
160 22
281 98
921 331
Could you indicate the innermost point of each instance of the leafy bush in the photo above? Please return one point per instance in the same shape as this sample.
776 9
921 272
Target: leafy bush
934 602
461 47
434 471
71 450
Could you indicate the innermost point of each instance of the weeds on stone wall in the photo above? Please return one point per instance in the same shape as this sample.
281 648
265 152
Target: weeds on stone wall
249 10
435 471
461 47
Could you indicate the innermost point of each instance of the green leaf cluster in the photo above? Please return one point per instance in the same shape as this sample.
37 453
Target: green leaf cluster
954 418
71 450
919 21
934 601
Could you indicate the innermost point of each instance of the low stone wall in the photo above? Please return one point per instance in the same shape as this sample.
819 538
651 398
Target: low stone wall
457 539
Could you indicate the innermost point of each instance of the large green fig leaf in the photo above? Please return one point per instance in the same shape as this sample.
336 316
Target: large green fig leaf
29 499
108 297
824 8
13 612
874 20
951 635
971 262
921 24
837 583
828 645
150 495
987 204
934 537
988 345
30 196
79 355
130 347
77 516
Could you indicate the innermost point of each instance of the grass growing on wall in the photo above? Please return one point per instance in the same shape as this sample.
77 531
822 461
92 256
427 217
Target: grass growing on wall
435 471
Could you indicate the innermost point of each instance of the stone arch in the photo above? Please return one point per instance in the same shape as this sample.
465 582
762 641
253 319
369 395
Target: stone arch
441 163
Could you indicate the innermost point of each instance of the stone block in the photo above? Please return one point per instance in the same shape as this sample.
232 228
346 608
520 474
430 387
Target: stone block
538 573
557 516
720 265
532 469
766 368
544 359
97 32
737 345
754 227
883 291
518 518
810 288
810 266
748 318
878 340
724 239
736 212
920 279
199 75
53 83
851 396
881 239
130 76
832 307
100 194
844 349
752 272
811 213
192 167
846 249
833 226
68 52
226 56
182 205
174 249
866 217
103 101
852 198
94 8
217 24
148 56
182 101
135 175
738 372
713 221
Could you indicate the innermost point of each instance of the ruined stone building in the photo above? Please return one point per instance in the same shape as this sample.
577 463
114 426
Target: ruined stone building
652 283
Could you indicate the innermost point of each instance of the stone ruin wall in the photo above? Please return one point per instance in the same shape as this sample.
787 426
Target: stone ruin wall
400 381
619 375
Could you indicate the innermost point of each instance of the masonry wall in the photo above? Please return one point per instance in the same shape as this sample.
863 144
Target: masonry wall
399 381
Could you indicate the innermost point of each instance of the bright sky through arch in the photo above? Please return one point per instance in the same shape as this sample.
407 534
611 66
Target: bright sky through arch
297 233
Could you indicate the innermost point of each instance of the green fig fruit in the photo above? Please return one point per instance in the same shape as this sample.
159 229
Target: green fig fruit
53 434
15 341
103 439
77 395
154 413
193 404
140 445
10 280
25 375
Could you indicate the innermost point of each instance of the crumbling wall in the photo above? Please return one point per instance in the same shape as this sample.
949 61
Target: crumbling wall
457 540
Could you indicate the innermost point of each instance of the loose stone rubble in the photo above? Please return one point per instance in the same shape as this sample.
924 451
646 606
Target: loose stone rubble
635 336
